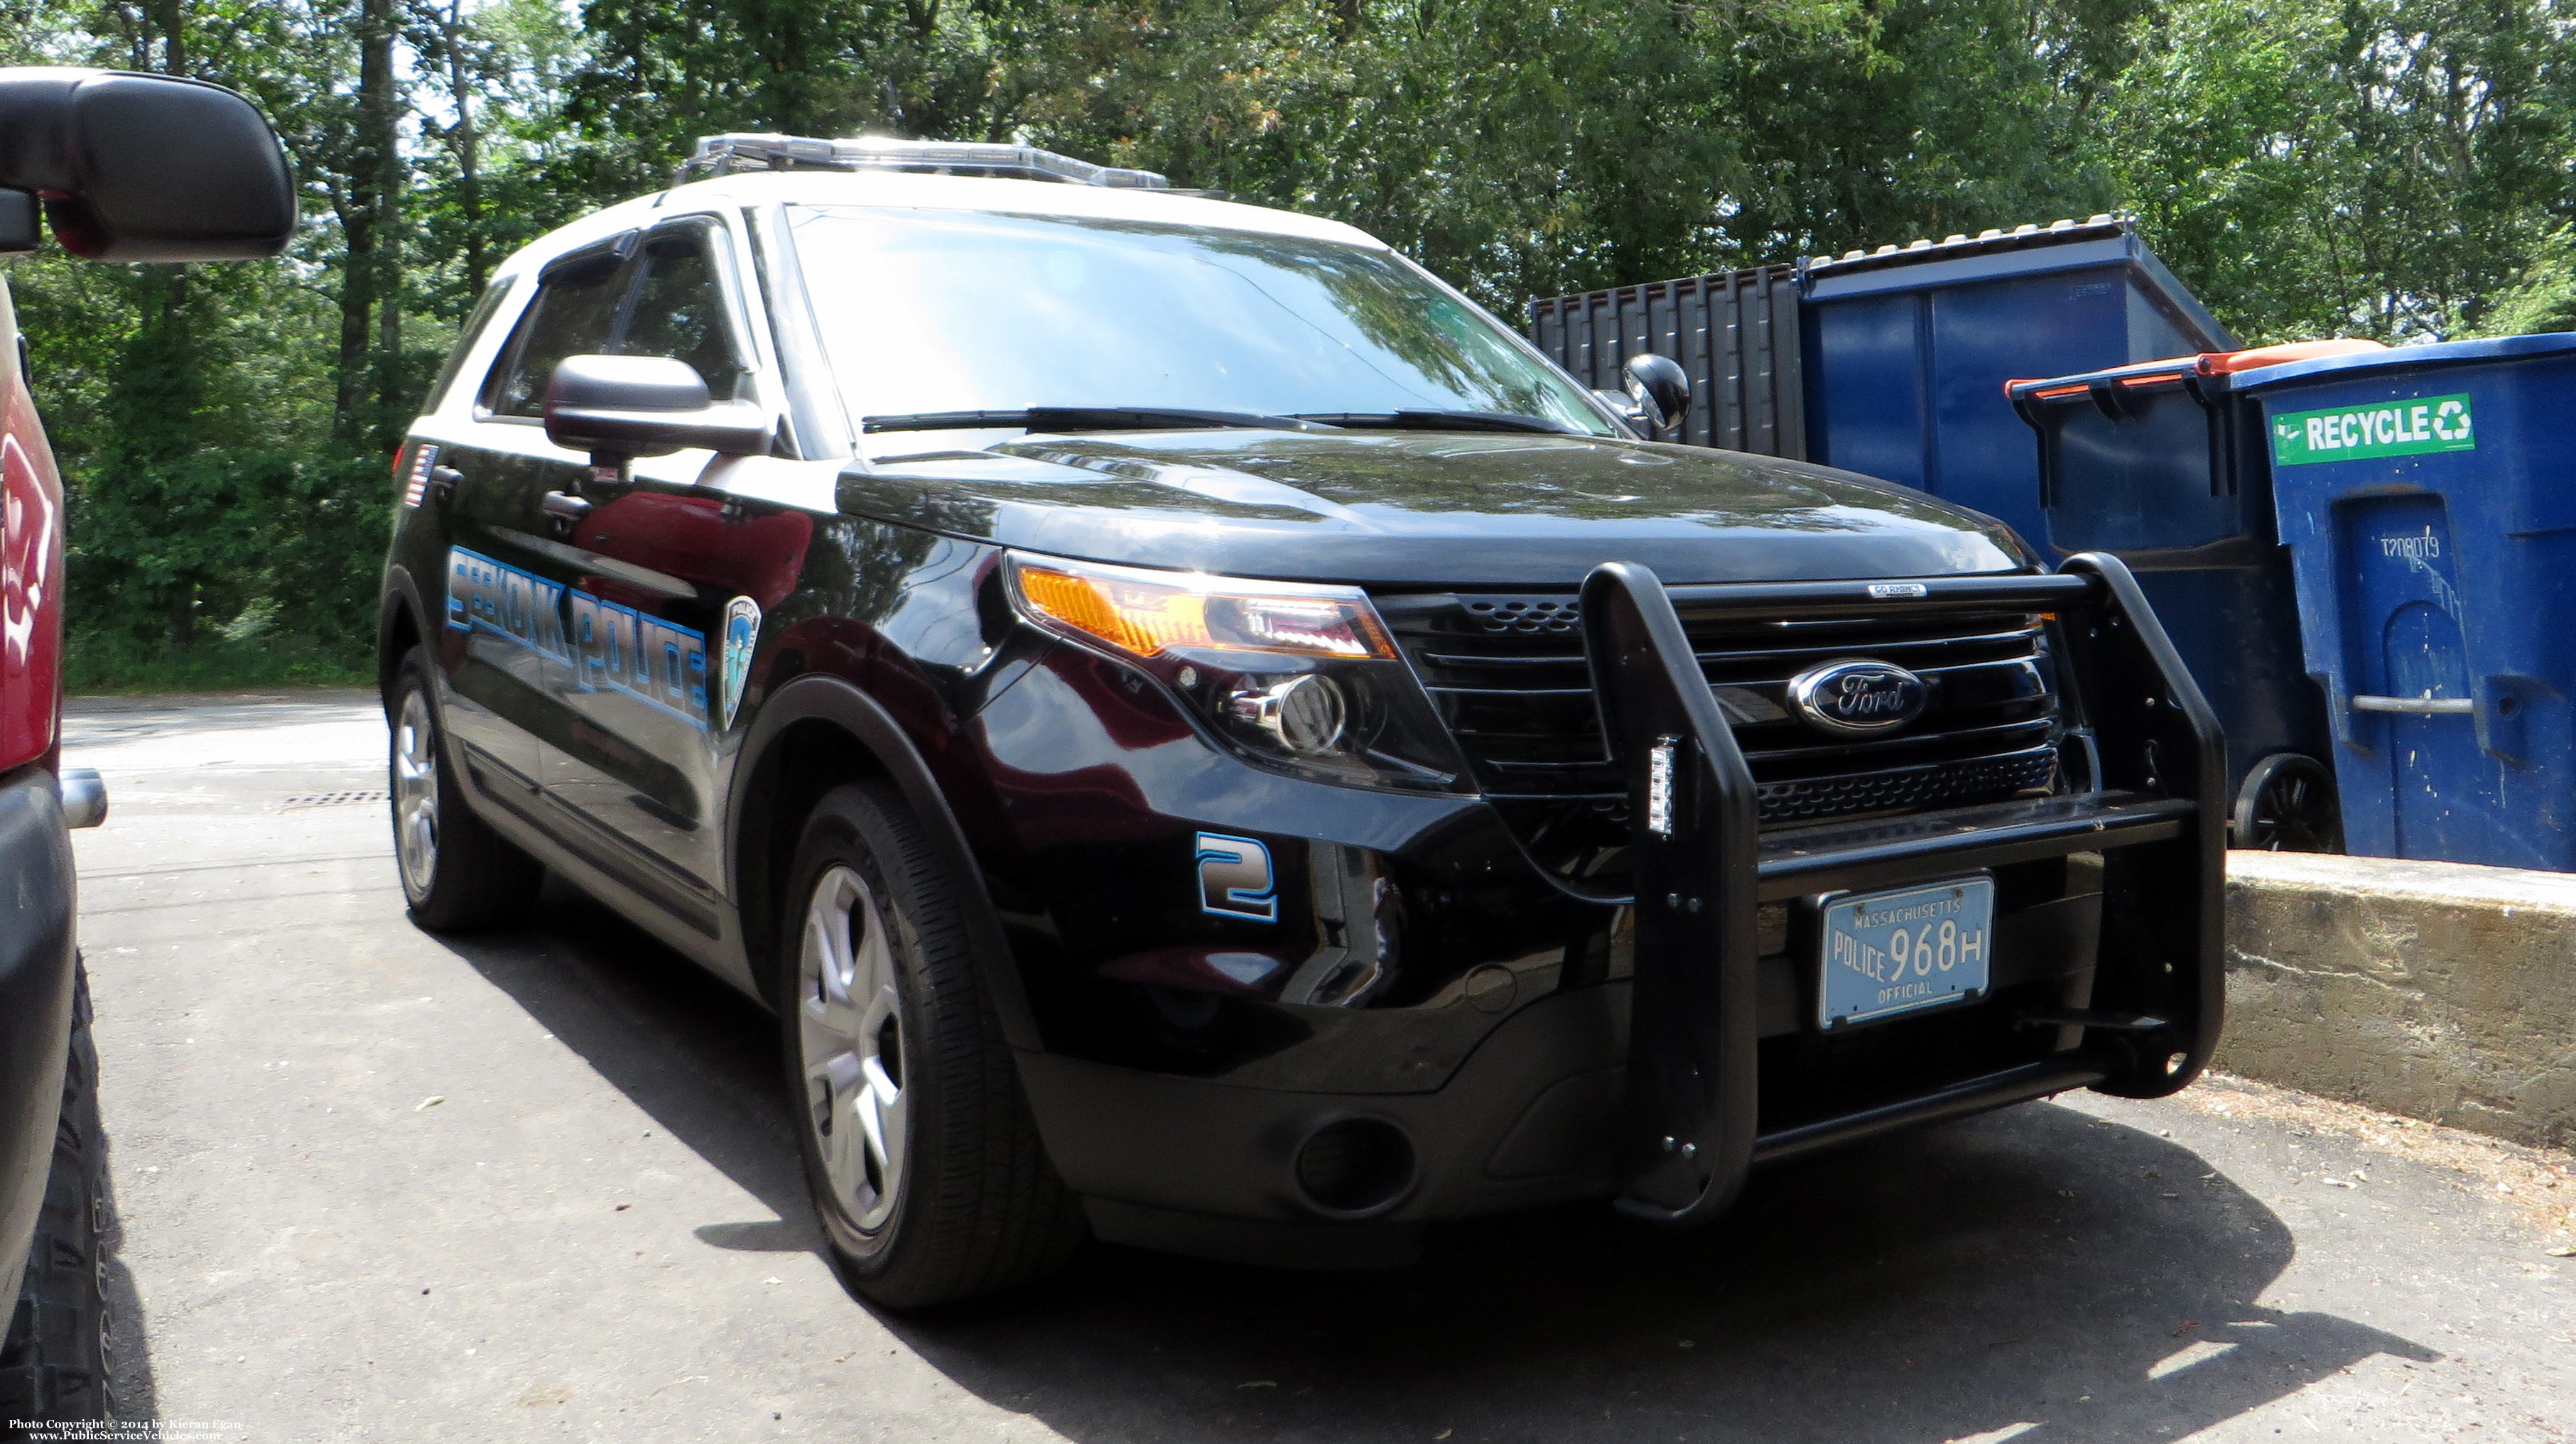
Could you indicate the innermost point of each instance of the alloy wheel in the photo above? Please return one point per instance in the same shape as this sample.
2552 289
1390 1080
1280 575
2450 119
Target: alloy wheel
416 793
850 1035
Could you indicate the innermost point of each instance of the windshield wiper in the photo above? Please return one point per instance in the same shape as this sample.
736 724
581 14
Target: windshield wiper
1439 421
1090 418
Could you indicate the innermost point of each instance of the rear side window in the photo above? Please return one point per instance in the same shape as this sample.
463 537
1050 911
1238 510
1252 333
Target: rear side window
472 332
679 308
575 314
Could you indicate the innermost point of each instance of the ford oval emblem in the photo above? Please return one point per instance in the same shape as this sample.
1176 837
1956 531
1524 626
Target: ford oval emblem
1857 697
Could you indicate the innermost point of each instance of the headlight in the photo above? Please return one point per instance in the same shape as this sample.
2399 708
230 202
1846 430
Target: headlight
1298 676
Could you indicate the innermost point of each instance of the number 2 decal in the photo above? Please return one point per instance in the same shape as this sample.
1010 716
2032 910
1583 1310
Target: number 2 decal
1235 878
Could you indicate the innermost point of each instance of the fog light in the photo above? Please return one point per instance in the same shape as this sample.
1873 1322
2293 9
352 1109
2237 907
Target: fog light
1305 714
1355 1166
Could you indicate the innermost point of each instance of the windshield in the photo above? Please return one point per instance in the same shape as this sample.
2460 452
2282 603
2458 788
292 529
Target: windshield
932 311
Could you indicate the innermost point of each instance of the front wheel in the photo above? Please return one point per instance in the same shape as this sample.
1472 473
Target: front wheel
2287 804
53 1364
919 1151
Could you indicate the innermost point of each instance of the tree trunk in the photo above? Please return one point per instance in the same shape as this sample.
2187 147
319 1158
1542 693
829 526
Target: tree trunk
169 17
366 205
466 141
390 388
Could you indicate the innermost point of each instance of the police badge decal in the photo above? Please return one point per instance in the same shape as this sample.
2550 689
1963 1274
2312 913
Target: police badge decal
741 634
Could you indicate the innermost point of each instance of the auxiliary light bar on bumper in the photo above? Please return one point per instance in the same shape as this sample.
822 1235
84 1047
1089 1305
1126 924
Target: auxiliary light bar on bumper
1702 867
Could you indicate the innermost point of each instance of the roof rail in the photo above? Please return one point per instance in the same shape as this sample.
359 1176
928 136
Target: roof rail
738 153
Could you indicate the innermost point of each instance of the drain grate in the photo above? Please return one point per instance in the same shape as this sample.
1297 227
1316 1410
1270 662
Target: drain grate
335 799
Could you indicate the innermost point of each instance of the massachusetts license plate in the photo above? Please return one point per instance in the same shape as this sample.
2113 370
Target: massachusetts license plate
1893 952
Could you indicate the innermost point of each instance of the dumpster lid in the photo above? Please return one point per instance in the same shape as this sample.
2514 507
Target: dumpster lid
2109 239
2019 238
2175 368
2399 358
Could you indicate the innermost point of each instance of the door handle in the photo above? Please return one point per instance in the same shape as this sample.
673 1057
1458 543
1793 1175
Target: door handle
443 480
565 507
2364 703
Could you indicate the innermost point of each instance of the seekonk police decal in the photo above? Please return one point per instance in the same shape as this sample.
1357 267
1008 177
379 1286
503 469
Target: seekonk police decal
611 646
2401 428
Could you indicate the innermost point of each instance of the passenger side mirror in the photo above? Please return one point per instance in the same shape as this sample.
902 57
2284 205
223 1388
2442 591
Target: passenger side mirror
1660 388
1621 407
619 407
140 167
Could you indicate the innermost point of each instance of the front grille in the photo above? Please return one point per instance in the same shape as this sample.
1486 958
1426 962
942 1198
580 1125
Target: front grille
1909 789
1509 676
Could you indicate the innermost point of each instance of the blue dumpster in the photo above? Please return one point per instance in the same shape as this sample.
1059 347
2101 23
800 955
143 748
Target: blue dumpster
2154 463
1890 362
1907 349
2425 499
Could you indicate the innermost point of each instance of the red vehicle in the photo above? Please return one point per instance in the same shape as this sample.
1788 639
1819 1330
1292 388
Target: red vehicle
122 167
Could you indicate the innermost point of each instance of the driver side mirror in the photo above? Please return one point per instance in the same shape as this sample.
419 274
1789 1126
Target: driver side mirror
620 407
139 167
1660 388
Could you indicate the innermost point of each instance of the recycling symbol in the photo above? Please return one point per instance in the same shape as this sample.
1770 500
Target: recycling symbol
2451 420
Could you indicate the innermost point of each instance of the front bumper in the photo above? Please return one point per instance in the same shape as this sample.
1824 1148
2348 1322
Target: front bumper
2150 1014
36 972
1665 1081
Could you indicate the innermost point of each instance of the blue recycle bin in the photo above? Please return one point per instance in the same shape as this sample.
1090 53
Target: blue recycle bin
2160 465
2425 499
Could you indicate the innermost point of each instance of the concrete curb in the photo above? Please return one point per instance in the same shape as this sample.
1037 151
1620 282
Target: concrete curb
2436 990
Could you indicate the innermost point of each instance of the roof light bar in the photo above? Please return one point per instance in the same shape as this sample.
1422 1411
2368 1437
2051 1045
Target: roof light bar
737 154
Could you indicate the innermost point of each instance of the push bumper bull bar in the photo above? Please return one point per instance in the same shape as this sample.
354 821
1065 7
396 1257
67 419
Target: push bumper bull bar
2154 808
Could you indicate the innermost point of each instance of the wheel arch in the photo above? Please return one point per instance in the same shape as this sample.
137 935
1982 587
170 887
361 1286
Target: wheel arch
398 628
813 734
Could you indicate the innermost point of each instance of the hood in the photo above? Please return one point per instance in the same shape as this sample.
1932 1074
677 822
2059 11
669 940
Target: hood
1431 508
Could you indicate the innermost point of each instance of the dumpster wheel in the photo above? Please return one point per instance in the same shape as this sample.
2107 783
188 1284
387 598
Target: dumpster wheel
2288 804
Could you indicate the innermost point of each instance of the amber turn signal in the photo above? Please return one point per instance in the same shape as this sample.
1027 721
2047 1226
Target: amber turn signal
1147 614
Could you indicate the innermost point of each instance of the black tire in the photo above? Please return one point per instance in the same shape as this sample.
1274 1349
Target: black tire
974 1207
53 1366
469 878
2287 804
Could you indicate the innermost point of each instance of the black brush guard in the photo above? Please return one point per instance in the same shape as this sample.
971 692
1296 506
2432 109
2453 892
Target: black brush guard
2155 811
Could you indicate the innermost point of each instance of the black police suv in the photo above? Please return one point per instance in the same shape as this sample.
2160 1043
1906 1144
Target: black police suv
1203 737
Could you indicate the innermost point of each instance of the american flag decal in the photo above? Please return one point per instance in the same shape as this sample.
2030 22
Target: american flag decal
416 483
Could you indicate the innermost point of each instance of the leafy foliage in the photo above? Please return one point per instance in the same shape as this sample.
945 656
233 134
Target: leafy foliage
2381 168
2391 168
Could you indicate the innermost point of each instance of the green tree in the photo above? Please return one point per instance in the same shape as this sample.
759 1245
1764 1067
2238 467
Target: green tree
2392 168
2371 167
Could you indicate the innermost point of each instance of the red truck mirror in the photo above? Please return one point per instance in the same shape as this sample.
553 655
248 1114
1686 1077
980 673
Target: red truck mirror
133 167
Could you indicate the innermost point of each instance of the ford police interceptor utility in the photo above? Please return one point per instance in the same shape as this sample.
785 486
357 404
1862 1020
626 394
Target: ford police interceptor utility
1204 738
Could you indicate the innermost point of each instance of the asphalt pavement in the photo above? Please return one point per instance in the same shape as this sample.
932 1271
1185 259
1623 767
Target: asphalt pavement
374 1184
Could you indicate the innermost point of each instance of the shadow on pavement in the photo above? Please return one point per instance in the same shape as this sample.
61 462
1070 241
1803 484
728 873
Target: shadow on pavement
2031 1274
699 1057
131 1386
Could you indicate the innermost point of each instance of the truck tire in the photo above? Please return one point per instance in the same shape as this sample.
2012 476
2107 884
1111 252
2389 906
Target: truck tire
457 873
919 1150
53 1366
